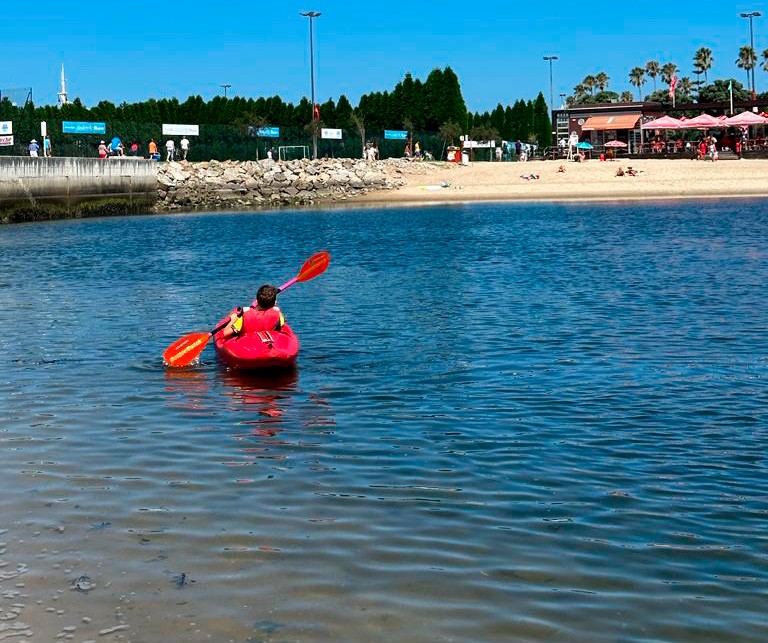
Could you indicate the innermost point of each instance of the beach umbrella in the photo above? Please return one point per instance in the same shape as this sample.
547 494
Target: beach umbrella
615 144
665 122
584 145
703 121
745 119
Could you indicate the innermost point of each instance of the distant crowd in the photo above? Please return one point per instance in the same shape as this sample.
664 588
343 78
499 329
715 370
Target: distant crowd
115 147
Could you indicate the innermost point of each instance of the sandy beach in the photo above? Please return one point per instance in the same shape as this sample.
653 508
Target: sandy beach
428 182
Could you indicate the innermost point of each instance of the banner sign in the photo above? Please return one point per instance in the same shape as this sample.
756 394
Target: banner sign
83 127
6 141
6 127
43 129
268 132
328 132
180 130
396 134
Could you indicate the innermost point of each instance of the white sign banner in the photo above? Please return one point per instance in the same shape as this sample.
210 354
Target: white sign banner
6 127
6 141
180 130
328 132
43 129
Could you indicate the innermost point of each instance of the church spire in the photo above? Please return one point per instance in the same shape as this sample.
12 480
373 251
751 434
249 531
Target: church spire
63 88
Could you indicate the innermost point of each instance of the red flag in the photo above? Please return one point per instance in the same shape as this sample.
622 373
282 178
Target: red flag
316 112
672 85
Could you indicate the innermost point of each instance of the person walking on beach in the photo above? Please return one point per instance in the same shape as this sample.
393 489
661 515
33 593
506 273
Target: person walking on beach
47 151
184 148
170 147
33 148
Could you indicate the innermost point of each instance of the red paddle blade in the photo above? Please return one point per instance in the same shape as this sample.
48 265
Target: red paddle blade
314 266
184 351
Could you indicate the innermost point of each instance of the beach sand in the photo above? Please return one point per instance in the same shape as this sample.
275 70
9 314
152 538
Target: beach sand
435 182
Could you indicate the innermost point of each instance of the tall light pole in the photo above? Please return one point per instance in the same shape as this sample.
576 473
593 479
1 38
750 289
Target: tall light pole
750 15
225 86
551 90
312 15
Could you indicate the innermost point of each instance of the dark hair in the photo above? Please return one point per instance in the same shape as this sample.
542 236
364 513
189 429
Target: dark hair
266 297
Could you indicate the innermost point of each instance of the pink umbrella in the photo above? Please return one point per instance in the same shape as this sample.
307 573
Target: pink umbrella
703 121
615 144
665 122
746 118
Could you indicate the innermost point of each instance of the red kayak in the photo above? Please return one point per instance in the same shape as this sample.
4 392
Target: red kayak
259 349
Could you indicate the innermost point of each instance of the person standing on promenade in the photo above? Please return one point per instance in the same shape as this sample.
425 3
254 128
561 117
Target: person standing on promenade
184 148
152 148
33 148
102 150
47 150
170 148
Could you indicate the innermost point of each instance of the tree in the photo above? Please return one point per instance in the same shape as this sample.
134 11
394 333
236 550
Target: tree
449 132
626 97
358 118
589 82
702 61
653 69
668 72
718 92
542 124
601 81
765 59
637 78
747 59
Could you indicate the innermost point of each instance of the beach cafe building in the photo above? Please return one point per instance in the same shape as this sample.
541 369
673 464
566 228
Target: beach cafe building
619 124
600 123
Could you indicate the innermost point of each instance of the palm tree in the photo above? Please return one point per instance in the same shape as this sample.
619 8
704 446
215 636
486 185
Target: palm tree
668 71
653 69
765 60
747 60
589 82
703 61
626 97
637 78
685 86
601 80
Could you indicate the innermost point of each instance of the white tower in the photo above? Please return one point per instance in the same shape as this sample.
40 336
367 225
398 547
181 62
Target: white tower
63 88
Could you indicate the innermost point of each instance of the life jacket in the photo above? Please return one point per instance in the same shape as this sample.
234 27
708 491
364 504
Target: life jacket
255 319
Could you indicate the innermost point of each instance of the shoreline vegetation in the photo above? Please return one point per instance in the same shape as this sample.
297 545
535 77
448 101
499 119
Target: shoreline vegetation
408 183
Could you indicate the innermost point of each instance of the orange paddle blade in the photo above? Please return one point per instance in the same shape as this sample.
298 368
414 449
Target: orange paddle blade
314 266
184 351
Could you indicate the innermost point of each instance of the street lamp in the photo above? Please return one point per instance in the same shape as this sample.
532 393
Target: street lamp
312 15
225 86
551 91
750 15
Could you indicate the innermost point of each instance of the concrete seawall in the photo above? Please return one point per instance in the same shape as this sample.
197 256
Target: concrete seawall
34 189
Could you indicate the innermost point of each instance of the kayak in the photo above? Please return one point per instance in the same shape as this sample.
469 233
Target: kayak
258 350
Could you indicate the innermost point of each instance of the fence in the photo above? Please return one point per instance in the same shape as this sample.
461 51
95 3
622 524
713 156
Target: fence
219 142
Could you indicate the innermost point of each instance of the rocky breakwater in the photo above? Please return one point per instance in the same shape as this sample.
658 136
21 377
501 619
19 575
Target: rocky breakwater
268 183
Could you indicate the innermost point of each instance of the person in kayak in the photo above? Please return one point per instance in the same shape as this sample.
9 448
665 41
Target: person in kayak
262 315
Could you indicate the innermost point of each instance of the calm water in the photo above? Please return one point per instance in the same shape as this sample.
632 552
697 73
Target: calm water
509 423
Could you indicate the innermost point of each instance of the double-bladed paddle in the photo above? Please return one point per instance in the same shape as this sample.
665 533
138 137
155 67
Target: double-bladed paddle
184 351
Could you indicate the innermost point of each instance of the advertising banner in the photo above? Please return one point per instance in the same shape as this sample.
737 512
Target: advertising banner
396 134
83 127
6 127
268 132
170 129
6 141
328 132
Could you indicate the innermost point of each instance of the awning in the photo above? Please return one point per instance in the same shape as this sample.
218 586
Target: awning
620 121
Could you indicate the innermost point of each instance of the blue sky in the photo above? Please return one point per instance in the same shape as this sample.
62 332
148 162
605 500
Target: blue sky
130 52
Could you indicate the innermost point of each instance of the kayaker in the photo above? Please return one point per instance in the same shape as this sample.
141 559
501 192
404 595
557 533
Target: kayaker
263 314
